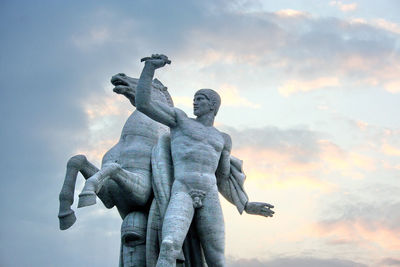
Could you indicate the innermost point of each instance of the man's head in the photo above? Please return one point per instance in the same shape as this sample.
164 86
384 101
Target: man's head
206 100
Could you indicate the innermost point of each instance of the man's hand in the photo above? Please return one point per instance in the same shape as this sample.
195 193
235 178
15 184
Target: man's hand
156 60
259 208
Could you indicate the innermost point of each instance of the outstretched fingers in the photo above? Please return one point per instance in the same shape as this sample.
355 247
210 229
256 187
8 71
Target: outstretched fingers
269 205
265 211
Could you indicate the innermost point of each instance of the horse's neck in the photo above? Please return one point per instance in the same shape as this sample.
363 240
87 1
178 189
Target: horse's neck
138 128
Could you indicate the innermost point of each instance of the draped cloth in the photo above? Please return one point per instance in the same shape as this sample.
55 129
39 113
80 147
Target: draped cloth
162 178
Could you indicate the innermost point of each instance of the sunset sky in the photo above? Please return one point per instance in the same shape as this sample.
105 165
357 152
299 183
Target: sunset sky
310 96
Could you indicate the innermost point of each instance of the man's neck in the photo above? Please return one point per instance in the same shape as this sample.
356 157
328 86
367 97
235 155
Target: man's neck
206 119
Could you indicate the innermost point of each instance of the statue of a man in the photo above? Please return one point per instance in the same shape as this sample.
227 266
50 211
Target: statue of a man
199 152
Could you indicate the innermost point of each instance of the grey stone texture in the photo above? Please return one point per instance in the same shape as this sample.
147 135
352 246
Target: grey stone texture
164 176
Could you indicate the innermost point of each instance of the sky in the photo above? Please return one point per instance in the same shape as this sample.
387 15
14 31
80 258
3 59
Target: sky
310 96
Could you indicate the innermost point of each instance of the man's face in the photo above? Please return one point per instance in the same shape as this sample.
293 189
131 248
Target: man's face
201 105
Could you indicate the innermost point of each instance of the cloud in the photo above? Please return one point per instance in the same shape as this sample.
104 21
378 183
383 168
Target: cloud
55 104
365 223
309 53
362 125
109 104
387 25
291 13
345 162
294 261
283 159
293 86
296 154
393 86
300 161
390 150
95 36
229 94
390 262
300 143
344 7
358 232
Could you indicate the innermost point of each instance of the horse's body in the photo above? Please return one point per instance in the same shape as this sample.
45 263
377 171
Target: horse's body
127 166
132 153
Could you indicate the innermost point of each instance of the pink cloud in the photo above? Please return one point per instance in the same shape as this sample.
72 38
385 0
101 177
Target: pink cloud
360 231
344 7
291 13
294 86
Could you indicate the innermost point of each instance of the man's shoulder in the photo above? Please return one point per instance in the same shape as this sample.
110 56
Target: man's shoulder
225 135
227 139
180 116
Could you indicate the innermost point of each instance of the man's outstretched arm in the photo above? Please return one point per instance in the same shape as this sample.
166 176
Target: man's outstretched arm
230 180
156 110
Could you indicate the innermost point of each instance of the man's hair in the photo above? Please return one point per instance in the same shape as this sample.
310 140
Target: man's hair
211 95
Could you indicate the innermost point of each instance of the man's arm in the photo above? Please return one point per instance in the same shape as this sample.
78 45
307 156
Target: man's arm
226 186
224 165
233 190
156 110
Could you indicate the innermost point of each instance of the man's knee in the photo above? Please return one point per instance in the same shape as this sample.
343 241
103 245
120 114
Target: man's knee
170 251
214 252
170 247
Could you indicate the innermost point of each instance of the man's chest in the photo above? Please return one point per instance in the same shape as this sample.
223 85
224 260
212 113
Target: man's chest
198 134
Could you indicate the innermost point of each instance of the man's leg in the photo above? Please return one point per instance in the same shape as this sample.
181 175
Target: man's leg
210 226
177 220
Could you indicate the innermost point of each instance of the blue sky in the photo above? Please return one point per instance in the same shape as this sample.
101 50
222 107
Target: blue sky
310 95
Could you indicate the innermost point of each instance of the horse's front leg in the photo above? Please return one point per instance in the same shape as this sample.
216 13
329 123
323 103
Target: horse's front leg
136 186
93 185
76 164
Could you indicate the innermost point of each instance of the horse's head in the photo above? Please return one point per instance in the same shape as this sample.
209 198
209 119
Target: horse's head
126 86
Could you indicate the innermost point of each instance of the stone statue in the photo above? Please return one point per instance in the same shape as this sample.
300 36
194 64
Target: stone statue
201 161
163 176
127 164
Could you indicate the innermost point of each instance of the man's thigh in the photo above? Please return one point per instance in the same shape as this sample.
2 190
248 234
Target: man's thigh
178 217
211 229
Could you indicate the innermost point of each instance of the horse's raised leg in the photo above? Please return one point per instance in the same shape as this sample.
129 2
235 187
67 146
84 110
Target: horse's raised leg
92 185
76 164
135 186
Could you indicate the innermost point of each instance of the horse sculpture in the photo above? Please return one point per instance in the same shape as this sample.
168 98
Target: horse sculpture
128 167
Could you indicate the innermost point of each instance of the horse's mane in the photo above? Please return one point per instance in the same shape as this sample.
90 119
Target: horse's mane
157 84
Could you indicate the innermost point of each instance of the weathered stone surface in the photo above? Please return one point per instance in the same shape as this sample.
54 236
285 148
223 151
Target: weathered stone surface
163 176
124 181
201 166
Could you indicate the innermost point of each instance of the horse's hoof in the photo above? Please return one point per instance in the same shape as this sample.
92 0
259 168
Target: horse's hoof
66 219
87 198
